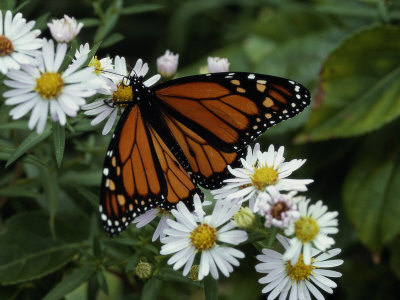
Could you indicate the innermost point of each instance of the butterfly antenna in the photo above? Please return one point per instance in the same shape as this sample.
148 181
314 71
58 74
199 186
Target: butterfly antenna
110 72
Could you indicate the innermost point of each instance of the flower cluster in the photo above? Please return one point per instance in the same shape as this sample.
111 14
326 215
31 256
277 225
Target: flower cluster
263 182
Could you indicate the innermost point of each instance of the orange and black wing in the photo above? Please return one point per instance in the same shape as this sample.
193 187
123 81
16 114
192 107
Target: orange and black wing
139 173
214 116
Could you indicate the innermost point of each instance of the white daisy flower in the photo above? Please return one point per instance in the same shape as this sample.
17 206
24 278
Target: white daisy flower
44 88
196 233
297 280
167 64
153 213
149 216
18 42
101 67
119 93
311 230
217 64
83 49
65 30
279 210
268 170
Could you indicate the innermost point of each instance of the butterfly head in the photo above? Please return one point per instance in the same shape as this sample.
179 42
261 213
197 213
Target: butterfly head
130 90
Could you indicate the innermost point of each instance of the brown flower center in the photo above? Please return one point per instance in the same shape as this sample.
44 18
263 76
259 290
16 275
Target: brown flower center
278 209
6 47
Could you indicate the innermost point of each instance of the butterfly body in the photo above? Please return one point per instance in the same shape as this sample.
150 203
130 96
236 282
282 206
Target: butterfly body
185 132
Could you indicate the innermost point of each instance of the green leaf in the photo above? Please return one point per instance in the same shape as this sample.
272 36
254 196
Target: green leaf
20 124
70 282
210 288
140 8
89 22
41 22
58 142
395 258
21 6
359 90
18 191
101 280
151 289
371 191
31 252
86 178
31 141
50 185
114 38
169 275
110 20
5 154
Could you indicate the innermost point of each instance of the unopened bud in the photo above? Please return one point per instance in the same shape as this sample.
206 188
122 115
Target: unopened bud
167 64
143 270
216 64
194 272
244 218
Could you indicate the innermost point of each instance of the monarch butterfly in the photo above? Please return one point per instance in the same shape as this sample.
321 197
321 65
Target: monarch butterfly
183 133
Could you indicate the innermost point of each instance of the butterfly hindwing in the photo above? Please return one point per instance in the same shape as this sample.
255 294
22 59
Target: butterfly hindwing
139 173
207 164
229 110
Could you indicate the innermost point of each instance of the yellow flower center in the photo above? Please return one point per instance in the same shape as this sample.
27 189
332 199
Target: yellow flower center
299 271
264 177
122 94
49 85
203 237
6 47
306 229
94 62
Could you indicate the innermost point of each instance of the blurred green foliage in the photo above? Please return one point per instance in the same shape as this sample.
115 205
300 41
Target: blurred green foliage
346 51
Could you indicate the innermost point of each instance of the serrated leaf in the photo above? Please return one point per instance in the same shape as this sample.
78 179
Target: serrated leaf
31 141
371 191
359 90
140 8
31 252
71 282
151 289
58 142
210 288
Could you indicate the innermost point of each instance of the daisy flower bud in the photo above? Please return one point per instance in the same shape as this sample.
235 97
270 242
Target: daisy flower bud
143 270
194 272
167 64
216 64
64 30
244 218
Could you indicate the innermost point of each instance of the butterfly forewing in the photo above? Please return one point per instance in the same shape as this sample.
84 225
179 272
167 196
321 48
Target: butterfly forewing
229 110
